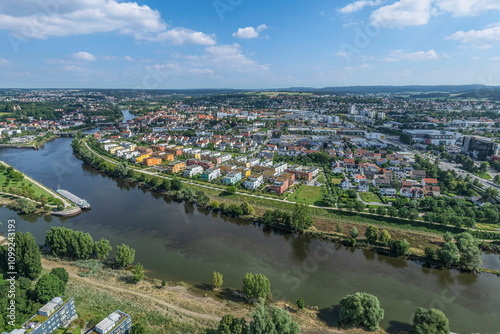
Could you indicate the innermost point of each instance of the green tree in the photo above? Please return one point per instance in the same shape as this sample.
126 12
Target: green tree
232 325
61 273
470 254
176 184
430 253
256 286
340 228
381 211
231 190
430 321
361 309
300 303
448 237
272 320
371 234
124 255
359 206
28 259
102 249
354 232
217 281
449 254
392 211
138 272
247 209
301 217
48 287
399 247
384 237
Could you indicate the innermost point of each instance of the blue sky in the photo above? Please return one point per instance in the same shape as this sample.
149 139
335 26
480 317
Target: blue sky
155 44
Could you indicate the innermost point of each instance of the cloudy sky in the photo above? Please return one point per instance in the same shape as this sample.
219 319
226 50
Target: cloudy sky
247 44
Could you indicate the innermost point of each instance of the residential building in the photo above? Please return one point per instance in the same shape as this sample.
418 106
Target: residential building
345 184
193 170
363 186
117 322
417 174
59 312
152 161
280 185
388 192
254 181
211 174
232 178
176 167
432 182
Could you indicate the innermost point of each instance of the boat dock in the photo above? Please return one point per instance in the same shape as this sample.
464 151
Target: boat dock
75 199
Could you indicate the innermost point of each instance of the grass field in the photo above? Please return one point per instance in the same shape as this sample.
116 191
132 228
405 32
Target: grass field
5 181
309 195
370 197
485 176
487 227
321 179
336 181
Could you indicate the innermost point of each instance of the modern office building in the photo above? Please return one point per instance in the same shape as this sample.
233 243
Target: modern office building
480 147
435 137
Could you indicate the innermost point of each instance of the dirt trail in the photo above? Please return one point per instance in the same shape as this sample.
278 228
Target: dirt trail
169 306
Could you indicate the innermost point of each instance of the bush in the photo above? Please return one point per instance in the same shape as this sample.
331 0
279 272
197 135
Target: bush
361 309
217 281
399 247
300 303
430 322
124 255
256 286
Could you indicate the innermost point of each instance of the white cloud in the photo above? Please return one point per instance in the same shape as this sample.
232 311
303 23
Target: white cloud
478 38
4 62
27 19
399 55
497 58
359 5
179 36
250 32
360 67
227 58
403 13
84 56
128 58
467 7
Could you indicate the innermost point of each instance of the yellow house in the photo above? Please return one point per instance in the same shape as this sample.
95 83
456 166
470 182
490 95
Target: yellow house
114 149
245 172
141 157
226 168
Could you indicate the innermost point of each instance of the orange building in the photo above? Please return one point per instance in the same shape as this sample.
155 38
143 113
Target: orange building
152 161
176 167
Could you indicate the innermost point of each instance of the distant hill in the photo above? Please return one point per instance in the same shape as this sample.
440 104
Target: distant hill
451 89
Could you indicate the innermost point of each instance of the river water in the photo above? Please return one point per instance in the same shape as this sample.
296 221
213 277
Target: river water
178 242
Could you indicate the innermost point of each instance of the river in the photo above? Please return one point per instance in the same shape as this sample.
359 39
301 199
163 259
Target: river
178 242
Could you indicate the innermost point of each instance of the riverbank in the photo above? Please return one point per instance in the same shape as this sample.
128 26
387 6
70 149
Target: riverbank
329 224
175 308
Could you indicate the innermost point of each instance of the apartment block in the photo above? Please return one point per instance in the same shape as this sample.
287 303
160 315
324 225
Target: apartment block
232 178
59 312
117 322
176 167
254 181
211 174
193 170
